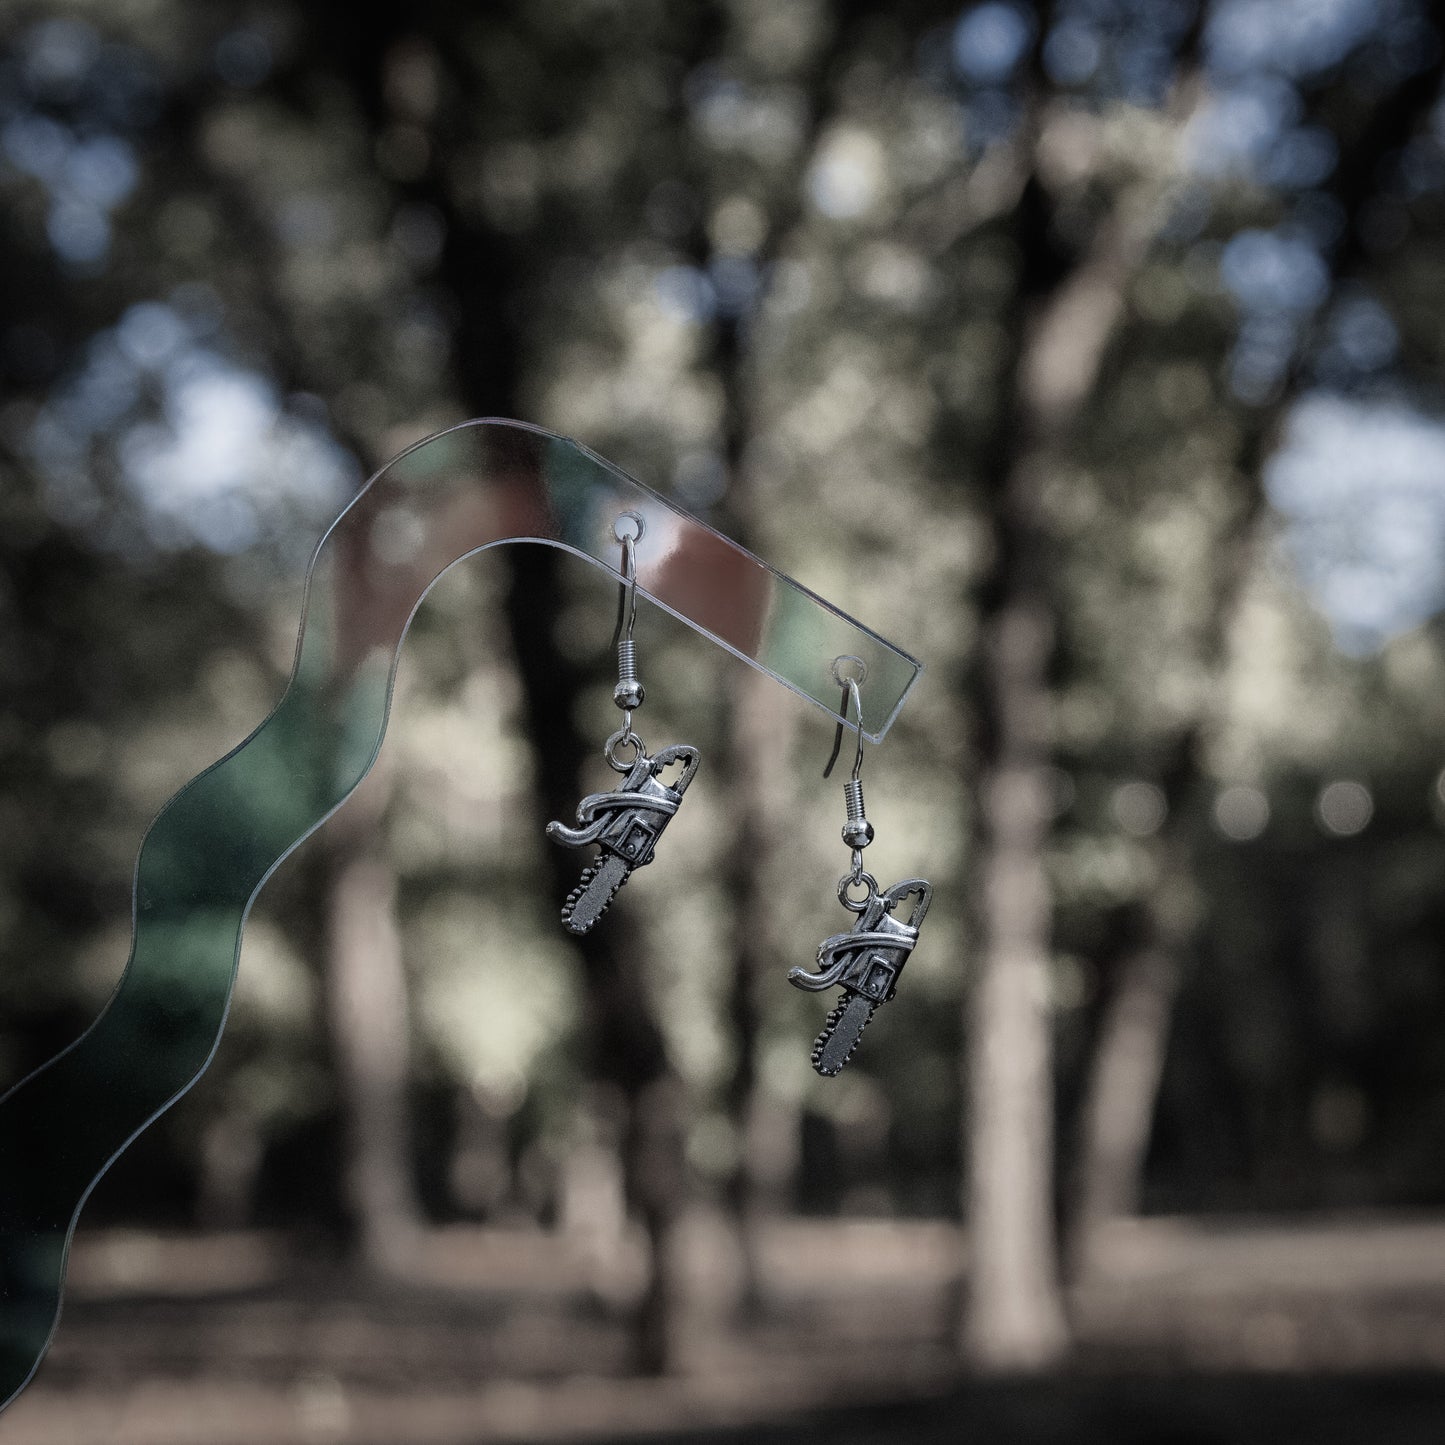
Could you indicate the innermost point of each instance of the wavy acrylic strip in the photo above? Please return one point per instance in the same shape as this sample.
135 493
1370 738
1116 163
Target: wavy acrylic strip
216 842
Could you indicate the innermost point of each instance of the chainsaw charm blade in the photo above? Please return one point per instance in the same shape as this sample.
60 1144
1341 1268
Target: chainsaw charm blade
594 892
840 1034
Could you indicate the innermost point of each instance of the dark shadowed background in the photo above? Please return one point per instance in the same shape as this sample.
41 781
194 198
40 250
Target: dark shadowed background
1093 352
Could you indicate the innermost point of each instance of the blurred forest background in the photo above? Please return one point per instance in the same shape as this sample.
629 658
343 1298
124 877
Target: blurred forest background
1095 353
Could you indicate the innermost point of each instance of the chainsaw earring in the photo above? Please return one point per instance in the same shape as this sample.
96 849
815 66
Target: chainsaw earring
626 823
867 961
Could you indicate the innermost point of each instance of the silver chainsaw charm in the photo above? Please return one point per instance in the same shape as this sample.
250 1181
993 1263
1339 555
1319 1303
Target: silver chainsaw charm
625 824
866 963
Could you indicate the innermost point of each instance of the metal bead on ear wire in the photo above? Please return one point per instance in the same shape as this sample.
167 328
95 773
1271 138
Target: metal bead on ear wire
627 822
629 692
857 831
867 961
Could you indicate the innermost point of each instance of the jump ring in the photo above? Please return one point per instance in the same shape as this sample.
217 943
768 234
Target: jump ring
860 674
848 881
621 738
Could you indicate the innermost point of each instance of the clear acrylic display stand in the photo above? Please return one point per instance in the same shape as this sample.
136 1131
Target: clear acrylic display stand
217 841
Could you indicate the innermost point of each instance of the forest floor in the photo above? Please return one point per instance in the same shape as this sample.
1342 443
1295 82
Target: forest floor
1190 1332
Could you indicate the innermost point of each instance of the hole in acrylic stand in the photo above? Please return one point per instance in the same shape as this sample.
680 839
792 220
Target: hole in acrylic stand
634 533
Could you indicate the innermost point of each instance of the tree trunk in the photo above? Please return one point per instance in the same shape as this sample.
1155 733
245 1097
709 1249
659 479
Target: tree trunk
754 763
623 1038
1014 1318
1013 1314
753 756
231 1150
1118 1111
366 999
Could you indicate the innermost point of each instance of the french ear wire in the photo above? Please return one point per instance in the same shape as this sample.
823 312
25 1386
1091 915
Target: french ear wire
625 823
865 962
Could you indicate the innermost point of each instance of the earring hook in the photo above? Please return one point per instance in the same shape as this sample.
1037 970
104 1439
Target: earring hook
850 695
627 593
629 692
